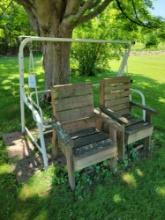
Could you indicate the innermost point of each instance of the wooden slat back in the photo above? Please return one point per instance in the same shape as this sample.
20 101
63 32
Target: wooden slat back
71 102
114 94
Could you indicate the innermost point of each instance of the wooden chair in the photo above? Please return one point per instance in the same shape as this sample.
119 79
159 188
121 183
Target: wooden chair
114 102
78 128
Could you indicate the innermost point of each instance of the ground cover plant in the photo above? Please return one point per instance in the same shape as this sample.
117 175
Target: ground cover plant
137 192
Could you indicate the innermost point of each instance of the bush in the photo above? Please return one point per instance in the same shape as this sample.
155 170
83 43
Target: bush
89 56
151 41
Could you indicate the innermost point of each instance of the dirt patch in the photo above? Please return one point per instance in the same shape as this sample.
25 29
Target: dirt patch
25 158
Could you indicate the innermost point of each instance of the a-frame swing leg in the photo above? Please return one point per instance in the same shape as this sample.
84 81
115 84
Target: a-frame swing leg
43 147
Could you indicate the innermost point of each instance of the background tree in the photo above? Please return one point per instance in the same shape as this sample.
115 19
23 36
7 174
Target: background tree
58 18
13 23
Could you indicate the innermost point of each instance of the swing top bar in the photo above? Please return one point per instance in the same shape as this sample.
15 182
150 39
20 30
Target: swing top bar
52 39
29 39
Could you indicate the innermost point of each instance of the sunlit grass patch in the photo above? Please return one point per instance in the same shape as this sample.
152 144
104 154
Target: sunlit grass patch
160 190
5 168
39 184
139 172
117 198
129 178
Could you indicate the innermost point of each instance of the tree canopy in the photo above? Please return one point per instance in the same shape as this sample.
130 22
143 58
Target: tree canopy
127 19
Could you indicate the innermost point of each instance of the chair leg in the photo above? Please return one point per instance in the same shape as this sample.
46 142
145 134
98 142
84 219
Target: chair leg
147 144
70 169
55 148
113 164
121 145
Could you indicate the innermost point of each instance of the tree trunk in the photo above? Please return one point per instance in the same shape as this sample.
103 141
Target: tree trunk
56 62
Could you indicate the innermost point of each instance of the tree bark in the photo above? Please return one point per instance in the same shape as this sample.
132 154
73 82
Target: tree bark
58 18
56 62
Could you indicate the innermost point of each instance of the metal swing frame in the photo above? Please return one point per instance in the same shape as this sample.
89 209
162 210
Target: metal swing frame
28 102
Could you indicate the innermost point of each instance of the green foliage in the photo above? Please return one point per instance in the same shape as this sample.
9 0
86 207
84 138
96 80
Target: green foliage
112 24
90 56
151 41
137 193
13 23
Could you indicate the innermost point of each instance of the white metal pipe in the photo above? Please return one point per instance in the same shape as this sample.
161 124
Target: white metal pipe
123 64
42 143
143 100
52 39
23 98
32 139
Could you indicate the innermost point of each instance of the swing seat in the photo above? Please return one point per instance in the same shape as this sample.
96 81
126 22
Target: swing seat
115 103
78 129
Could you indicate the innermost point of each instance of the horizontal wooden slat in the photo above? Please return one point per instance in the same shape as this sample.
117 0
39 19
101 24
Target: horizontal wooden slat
73 114
139 134
69 90
117 101
122 79
90 139
73 102
134 121
83 133
84 123
117 87
92 148
135 127
117 95
120 107
122 112
83 161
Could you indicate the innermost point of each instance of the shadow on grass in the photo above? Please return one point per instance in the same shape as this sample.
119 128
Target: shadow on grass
137 194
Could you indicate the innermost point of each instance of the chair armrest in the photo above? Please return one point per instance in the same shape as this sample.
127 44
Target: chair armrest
63 136
151 110
112 126
112 115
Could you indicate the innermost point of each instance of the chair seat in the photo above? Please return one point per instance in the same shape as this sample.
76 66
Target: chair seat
90 141
138 131
141 125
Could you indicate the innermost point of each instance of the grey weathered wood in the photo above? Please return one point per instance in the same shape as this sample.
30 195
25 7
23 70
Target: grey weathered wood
70 90
139 134
135 127
147 144
70 167
82 162
117 80
117 108
112 114
89 149
74 114
89 139
83 133
117 95
151 110
73 102
75 125
114 102
117 86
117 101
78 128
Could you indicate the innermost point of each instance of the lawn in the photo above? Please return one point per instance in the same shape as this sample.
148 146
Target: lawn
136 193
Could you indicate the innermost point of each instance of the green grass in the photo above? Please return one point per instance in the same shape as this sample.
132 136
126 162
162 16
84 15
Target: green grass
138 193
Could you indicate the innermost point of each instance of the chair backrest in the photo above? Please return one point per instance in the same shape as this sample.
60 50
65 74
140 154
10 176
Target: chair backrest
114 94
72 102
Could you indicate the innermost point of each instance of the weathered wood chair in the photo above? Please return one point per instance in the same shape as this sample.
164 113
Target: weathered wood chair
78 128
114 102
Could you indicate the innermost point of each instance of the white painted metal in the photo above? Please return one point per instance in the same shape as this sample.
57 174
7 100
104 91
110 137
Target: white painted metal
29 102
142 100
123 64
